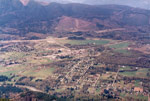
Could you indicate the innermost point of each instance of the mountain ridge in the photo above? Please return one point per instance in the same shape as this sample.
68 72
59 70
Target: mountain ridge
35 17
145 4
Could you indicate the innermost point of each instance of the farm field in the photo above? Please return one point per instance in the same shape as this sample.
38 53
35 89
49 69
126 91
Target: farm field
120 45
144 72
83 42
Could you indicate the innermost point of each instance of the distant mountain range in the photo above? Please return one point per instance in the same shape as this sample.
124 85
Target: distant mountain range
134 3
21 17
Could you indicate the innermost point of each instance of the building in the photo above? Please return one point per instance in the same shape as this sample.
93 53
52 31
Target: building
138 89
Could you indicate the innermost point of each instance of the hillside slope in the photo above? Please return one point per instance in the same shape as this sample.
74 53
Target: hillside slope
21 18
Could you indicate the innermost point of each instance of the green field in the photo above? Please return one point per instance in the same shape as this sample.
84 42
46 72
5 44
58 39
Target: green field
120 45
121 48
83 42
125 68
98 90
141 97
142 72
130 74
137 83
8 73
123 51
41 73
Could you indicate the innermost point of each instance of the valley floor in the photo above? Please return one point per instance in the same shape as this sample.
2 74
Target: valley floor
77 69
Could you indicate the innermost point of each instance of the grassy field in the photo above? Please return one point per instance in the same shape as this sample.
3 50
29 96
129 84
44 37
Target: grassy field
39 61
142 72
125 68
83 42
60 90
27 61
130 74
14 55
121 48
8 73
123 51
40 73
141 97
120 45
137 83
98 90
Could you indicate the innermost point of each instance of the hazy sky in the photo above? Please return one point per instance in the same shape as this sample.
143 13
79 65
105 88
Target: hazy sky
134 3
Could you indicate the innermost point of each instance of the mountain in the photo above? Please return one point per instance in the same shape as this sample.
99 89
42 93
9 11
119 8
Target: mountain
24 2
134 3
20 17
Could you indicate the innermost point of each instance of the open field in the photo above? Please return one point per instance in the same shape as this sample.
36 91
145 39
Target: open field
120 45
79 42
138 73
41 73
83 42
141 97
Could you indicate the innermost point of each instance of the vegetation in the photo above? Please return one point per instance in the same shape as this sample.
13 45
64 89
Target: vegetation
3 78
120 45
136 73
97 42
124 51
76 38
9 89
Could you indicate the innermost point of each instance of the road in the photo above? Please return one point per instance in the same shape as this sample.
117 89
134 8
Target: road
30 88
